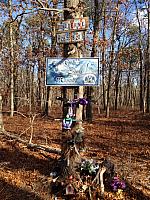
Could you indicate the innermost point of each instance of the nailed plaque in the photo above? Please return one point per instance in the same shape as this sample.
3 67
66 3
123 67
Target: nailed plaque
70 37
76 24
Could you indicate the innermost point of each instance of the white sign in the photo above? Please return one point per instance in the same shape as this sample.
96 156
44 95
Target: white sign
70 37
73 24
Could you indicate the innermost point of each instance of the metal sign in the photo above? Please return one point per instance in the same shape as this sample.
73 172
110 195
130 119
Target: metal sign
72 71
73 25
70 37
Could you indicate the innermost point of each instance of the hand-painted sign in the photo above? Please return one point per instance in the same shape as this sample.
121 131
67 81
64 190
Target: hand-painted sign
73 25
3 1
70 37
72 71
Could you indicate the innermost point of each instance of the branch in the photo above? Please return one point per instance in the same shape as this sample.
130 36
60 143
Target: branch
44 148
55 9
40 8
21 14
51 9
99 178
39 2
31 145
31 122
17 113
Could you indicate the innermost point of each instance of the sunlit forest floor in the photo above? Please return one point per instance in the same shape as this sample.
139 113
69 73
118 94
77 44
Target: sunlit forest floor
124 137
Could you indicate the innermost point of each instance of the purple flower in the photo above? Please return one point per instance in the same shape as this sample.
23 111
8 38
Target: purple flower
122 185
117 184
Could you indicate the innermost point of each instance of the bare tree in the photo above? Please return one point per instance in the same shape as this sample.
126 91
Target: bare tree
11 57
148 61
142 107
111 63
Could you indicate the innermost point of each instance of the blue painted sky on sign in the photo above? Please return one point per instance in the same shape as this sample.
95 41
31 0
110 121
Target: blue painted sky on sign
72 71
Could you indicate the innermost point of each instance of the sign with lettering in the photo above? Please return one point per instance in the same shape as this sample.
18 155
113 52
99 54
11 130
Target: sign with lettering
73 25
70 37
72 71
4 1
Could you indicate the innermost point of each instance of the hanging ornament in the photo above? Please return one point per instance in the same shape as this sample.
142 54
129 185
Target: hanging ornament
67 122
70 189
83 101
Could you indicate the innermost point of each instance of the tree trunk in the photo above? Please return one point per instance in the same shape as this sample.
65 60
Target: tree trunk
117 78
11 59
103 58
117 88
93 54
15 88
1 116
80 109
148 63
141 58
48 100
30 88
74 4
97 18
41 85
89 105
111 61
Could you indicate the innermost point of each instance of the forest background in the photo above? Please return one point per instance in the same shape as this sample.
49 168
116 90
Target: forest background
119 35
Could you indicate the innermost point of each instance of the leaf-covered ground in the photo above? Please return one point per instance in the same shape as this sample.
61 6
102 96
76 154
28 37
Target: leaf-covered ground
124 137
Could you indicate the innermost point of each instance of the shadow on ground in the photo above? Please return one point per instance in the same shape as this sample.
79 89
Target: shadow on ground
17 159
10 192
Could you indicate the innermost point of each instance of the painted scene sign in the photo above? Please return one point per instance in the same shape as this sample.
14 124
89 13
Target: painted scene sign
72 71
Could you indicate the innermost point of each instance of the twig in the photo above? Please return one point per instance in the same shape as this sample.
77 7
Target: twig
31 122
32 118
54 9
39 2
21 14
90 193
24 131
17 113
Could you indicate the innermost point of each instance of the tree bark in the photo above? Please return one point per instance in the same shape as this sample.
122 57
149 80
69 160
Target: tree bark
47 107
111 61
11 59
89 105
76 54
1 116
117 88
103 58
141 58
148 63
